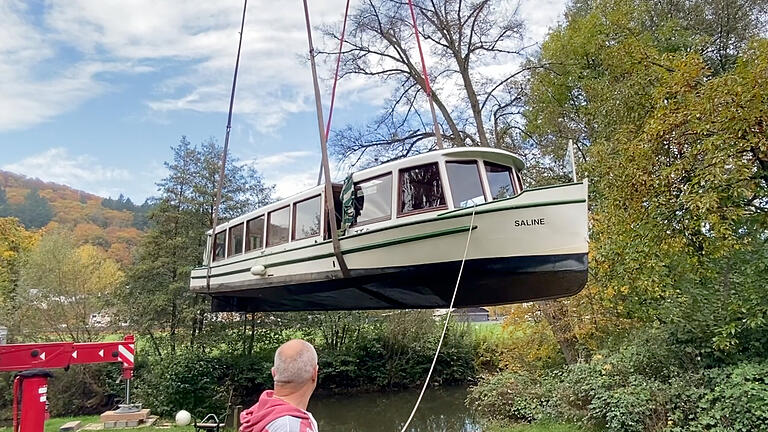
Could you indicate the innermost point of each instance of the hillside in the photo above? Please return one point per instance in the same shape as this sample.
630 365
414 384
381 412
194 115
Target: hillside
113 224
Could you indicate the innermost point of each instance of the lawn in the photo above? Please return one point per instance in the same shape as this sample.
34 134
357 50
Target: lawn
54 424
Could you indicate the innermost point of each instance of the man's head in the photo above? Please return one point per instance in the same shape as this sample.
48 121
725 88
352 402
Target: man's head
295 366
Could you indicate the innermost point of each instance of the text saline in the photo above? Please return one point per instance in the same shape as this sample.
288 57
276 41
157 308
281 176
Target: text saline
529 222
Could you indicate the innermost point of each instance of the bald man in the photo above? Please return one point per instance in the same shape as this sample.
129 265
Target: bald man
284 409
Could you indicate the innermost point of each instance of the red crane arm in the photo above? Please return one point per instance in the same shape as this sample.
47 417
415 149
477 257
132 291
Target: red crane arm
56 355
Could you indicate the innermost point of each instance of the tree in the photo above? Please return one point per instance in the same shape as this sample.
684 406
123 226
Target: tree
35 211
15 242
4 206
670 129
463 37
157 295
61 286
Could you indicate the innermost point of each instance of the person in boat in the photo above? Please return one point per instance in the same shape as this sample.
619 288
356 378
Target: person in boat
284 409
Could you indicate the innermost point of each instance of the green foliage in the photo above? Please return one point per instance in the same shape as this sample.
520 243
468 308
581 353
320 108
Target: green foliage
508 396
191 380
732 398
35 212
157 294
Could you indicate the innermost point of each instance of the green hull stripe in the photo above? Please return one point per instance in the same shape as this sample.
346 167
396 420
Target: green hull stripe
467 211
442 216
363 248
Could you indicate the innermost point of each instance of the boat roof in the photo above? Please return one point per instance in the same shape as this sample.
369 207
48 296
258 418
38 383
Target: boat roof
485 153
458 153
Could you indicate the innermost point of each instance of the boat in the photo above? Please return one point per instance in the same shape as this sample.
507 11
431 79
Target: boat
403 230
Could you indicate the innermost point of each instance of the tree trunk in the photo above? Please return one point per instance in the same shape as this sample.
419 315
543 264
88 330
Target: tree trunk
474 104
556 314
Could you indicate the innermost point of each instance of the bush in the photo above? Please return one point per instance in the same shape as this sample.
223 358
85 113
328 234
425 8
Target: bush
510 396
733 398
201 382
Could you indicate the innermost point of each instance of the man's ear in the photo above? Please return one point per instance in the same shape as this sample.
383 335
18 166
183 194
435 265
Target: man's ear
314 375
273 373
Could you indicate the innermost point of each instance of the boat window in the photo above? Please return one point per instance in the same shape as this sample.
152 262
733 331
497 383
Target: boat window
373 200
499 180
219 244
254 234
235 245
464 180
519 181
306 218
277 227
420 188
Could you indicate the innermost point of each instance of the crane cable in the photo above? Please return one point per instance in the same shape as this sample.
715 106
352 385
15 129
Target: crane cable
427 87
445 325
333 90
222 169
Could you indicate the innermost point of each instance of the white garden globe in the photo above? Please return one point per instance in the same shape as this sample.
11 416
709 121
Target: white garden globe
183 418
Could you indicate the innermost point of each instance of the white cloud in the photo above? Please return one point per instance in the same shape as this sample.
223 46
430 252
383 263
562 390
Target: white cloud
273 80
291 172
80 171
197 39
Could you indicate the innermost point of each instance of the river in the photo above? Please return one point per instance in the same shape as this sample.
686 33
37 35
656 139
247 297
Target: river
441 410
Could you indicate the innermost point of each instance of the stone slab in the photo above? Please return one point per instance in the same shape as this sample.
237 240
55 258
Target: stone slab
71 426
111 416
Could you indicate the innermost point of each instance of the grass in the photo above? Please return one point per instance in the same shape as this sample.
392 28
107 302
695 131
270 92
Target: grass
53 425
540 427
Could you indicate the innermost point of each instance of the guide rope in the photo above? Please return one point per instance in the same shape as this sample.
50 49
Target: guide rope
445 325
427 87
222 169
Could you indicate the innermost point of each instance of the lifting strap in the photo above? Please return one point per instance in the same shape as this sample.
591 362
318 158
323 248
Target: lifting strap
329 206
427 87
222 168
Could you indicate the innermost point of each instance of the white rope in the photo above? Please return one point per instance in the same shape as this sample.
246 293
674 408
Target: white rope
445 325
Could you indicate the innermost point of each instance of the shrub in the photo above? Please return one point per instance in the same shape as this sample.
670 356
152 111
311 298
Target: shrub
508 396
735 398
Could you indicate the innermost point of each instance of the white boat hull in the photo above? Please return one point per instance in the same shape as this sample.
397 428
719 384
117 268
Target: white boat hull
531 246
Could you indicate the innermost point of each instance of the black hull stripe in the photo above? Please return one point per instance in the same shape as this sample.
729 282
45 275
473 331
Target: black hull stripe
485 282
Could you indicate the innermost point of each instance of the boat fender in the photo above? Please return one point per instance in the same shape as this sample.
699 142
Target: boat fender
258 270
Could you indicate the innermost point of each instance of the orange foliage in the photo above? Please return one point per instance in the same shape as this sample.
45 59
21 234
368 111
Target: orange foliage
81 212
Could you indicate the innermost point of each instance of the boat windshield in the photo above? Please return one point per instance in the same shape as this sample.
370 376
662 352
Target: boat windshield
500 180
466 187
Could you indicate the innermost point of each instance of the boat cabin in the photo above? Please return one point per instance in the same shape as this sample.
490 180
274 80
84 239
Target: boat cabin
397 192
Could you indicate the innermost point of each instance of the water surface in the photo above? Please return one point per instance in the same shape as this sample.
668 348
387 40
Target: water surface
441 410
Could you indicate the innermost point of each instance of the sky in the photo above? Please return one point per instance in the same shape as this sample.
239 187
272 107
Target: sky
93 93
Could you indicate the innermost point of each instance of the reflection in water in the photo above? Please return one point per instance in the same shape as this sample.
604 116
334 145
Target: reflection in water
441 410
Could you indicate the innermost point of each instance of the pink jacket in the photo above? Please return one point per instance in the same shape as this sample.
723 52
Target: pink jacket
271 414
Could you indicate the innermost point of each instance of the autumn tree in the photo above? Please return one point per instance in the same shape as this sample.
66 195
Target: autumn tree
465 40
157 297
669 123
60 286
15 242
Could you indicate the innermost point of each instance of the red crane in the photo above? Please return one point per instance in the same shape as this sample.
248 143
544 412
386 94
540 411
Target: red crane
30 388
